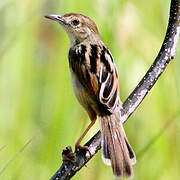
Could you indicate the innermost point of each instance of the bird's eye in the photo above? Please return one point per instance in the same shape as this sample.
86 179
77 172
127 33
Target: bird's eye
75 22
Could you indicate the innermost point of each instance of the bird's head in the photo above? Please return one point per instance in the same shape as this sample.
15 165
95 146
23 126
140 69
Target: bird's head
78 27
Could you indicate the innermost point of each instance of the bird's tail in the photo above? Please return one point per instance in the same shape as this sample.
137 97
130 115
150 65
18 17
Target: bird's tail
116 150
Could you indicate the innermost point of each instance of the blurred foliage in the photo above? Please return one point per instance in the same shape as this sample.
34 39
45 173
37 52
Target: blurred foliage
39 115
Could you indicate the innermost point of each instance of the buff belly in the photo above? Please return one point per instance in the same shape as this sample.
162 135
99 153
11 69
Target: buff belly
82 95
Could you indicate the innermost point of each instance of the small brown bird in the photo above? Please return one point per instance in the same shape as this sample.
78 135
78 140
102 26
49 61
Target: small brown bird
95 82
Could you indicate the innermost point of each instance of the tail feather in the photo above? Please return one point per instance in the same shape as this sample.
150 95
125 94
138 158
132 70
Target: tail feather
131 152
116 150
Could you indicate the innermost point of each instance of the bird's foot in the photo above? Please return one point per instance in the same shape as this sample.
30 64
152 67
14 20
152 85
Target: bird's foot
68 155
78 147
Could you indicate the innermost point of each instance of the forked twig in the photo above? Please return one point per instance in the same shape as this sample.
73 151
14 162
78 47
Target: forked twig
166 53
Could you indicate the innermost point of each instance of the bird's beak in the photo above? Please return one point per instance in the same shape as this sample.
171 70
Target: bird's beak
57 18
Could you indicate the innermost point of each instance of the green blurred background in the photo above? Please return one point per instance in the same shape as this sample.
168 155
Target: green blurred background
39 114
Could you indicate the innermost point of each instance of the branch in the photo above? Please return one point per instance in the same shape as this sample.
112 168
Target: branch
166 53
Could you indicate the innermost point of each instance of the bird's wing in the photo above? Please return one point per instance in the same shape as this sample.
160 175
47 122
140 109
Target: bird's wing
96 71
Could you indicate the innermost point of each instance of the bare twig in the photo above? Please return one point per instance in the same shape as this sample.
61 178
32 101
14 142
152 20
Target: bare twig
167 52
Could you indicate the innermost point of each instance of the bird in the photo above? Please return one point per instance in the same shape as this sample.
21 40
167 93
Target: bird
96 85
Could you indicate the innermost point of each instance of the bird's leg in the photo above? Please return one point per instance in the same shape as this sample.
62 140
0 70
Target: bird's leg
77 145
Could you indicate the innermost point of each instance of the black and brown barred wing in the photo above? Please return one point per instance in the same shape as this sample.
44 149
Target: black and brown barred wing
96 71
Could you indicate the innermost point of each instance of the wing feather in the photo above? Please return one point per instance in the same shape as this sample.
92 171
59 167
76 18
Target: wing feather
101 81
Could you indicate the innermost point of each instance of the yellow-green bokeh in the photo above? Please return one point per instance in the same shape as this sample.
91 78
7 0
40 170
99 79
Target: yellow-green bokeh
37 103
